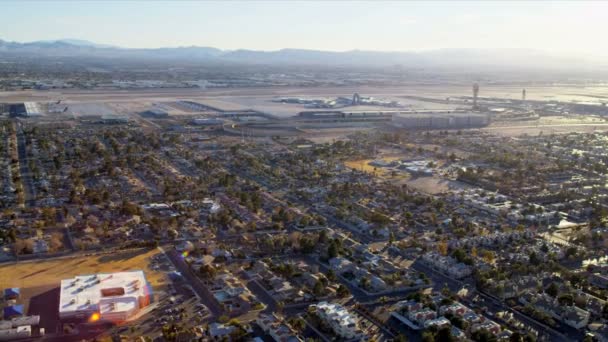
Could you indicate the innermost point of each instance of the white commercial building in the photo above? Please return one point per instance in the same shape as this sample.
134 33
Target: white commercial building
16 333
18 327
32 109
342 322
113 297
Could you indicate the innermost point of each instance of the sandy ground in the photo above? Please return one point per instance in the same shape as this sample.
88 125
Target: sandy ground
434 185
428 184
363 165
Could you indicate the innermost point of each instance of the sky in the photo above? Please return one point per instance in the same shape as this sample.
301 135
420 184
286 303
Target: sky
572 28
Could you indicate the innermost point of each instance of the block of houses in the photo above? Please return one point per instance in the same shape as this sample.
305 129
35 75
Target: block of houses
455 309
575 317
599 280
439 322
421 316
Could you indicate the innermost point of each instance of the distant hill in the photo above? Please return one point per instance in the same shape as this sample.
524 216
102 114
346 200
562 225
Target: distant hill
77 42
471 59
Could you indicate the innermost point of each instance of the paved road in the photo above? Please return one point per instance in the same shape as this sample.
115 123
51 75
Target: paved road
197 285
29 190
263 296
544 126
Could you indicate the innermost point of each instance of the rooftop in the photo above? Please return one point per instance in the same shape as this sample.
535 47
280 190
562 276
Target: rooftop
103 292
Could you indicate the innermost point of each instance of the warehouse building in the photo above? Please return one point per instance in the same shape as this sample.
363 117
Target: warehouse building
12 293
32 109
155 113
20 327
440 120
107 297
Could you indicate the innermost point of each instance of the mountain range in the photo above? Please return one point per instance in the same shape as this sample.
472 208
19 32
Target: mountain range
442 58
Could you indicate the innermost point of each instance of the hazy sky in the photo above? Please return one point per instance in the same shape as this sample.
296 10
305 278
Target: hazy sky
577 28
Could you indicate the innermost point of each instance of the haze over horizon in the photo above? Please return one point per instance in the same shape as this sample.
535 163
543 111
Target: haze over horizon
562 28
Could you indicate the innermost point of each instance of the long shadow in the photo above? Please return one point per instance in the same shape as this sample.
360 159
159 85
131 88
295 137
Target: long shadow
46 305
33 274
122 255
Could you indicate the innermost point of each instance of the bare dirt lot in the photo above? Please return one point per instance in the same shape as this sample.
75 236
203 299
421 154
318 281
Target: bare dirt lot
434 185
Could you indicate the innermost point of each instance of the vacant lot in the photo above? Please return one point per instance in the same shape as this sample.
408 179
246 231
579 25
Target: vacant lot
434 185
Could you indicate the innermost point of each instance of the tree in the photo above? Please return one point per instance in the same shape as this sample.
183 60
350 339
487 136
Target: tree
516 337
56 242
332 250
400 338
297 323
428 336
342 291
364 282
488 256
483 335
566 299
22 246
305 221
534 260
318 289
444 335
442 247
552 290
12 234
208 271
571 252
323 236
459 255
445 291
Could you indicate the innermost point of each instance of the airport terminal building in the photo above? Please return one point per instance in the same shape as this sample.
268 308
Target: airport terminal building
108 297
440 120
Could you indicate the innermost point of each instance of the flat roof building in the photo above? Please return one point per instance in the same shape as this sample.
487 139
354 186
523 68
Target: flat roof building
12 293
18 327
207 122
156 113
32 109
439 120
113 297
16 333
13 311
342 322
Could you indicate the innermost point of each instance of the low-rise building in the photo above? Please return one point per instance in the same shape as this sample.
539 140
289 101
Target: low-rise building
277 329
113 297
342 322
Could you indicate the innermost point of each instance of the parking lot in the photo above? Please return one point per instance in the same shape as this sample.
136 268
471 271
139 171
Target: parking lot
176 304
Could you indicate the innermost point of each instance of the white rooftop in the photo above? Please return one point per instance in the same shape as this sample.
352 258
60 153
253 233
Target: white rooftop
103 292
31 108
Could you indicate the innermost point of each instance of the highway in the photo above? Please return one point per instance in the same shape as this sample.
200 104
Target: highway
491 128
